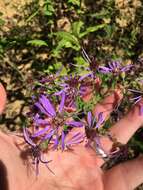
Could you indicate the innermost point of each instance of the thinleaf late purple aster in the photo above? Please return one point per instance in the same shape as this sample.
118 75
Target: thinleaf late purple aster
93 122
114 67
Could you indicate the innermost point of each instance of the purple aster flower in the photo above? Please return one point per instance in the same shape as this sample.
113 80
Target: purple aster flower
114 67
92 134
65 131
71 90
138 95
55 122
93 122
36 151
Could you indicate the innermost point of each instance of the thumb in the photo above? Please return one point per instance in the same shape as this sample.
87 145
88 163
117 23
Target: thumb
2 98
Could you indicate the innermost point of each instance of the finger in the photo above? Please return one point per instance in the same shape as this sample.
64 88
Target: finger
126 176
124 129
2 98
107 105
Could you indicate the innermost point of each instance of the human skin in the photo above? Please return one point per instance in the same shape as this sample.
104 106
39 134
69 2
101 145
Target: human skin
76 170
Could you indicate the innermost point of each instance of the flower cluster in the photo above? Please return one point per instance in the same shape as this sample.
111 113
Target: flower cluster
56 122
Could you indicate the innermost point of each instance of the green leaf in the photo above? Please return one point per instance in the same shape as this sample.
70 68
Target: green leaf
66 40
49 8
92 29
76 28
102 14
74 2
38 43
68 37
81 61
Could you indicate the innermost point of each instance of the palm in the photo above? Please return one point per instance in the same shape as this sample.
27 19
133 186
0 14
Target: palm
75 170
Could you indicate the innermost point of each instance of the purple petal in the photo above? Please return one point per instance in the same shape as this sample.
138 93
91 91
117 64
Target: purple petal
85 76
100 117
41 132
138 99
27 138
100 120
63 140
97 140
56 142
83 90
75 123
104 70
49 135
39 121
116 64
111 65
47 105
62 102
126 68
77 138
89 118
38 105
58 93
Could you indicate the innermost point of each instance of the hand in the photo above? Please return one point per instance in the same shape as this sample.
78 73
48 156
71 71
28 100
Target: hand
75 170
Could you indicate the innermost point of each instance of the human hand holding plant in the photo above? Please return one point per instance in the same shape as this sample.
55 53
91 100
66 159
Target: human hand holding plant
78 169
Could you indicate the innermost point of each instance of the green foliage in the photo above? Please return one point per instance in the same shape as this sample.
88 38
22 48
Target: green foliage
49 7
65 40
38 43
74 2
91 29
